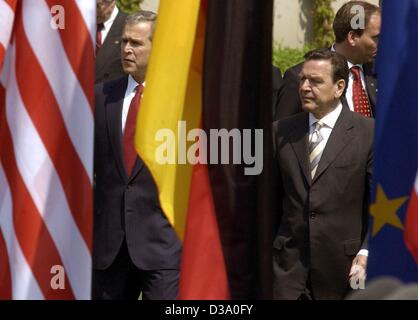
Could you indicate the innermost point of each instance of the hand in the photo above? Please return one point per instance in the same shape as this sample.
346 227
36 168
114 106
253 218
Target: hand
358 269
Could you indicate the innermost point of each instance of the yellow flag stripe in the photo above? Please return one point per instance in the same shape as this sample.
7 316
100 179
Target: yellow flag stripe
169 80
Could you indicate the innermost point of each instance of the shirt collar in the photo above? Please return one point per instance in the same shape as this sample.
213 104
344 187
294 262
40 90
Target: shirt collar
107 24
132 84
330 119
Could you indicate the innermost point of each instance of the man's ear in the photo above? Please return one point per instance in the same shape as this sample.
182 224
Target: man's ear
351 38
340 88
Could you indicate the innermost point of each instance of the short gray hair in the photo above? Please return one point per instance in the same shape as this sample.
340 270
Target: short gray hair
142 16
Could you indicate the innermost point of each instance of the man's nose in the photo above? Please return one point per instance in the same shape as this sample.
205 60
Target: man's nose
127 48
304 85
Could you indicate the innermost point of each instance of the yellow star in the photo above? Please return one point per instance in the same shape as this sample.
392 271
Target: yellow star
384 211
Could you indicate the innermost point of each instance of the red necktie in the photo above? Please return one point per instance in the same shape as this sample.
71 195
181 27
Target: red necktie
129 153
99 29
360 100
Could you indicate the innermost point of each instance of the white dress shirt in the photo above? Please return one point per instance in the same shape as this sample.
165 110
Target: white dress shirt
329 123
129 95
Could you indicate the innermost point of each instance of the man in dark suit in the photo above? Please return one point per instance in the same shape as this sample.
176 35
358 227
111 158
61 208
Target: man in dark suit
135 249
324 162
357 42
110 21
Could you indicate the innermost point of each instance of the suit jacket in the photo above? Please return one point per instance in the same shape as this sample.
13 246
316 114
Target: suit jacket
126 206
322 223
288 102
108 59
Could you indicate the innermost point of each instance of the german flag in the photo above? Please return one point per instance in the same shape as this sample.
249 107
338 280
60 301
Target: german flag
210 69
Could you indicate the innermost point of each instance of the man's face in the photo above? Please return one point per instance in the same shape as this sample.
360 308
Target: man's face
366 44
104 10
317 90
136 48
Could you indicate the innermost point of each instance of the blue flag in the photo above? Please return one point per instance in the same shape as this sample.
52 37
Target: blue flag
396 141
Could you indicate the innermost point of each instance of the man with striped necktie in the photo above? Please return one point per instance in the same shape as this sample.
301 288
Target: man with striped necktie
324 163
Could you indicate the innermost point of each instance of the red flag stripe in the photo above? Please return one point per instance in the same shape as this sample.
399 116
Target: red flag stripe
29 226
80 49
202 235
2 54
59 146
5 278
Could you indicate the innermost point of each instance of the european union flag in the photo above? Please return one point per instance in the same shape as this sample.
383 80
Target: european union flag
396 141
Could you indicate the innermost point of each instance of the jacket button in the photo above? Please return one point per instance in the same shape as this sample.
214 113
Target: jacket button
313 215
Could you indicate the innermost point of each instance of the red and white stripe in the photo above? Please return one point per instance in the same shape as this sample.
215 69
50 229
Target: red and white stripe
7 15
46 158
411 223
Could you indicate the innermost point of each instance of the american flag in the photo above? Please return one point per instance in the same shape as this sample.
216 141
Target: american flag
46 148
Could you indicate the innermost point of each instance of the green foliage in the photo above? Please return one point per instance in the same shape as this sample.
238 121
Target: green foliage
322 18
284 58
129 6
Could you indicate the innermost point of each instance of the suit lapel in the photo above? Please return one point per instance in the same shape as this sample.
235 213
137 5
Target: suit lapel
299 141
139 164
114 105
339 138
371 85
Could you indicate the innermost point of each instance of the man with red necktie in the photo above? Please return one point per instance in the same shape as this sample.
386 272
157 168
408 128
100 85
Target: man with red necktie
356 40
135 249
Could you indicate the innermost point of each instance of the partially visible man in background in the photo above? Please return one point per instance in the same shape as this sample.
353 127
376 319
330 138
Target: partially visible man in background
110 21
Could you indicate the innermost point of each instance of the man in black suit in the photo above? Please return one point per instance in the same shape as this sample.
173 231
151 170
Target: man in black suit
357 42
324 162
135 249
110 21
